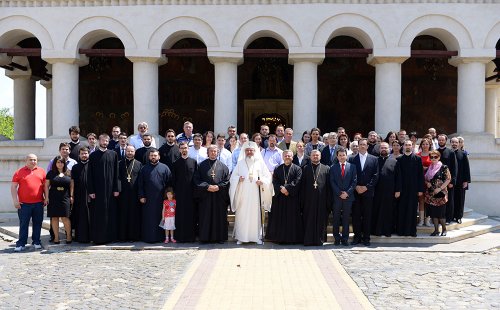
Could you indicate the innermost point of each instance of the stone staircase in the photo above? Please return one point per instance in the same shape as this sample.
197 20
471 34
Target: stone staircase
473 224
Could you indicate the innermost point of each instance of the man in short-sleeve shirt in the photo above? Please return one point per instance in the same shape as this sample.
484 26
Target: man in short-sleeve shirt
29 198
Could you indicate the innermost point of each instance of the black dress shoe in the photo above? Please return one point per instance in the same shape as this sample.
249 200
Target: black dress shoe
388 235
355 242
443 233
459 221
56 242
345 243
337 242
435 233
366 243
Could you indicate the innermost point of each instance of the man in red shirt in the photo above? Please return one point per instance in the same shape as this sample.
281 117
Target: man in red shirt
29 198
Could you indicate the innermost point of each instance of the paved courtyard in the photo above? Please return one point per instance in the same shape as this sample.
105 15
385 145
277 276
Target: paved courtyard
251 277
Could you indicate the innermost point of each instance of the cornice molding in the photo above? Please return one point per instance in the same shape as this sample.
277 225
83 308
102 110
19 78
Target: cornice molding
100 3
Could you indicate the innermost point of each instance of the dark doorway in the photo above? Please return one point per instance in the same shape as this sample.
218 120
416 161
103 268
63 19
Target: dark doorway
186 90
346 91
428 90
106 92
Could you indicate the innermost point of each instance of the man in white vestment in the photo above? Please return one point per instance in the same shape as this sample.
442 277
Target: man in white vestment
250 176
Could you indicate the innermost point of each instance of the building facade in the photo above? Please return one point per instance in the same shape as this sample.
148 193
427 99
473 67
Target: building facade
146 33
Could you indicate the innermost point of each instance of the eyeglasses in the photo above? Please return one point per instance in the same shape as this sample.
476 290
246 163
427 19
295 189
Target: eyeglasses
434 157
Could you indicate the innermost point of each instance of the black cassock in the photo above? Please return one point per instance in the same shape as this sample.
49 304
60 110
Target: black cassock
103 181
384 202
142 154
169 154
316 202
412 182
129 208
80 220
285 219
182 179
212 205
152 182
463 175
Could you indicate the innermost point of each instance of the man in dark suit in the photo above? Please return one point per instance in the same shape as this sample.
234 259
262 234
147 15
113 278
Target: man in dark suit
343 181
449 158
328 156
367 177
463 180
121 146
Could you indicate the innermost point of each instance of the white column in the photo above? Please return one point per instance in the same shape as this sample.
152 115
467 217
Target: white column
48 107
470 94
491 106
65 112
226 92
146 92
387 93
24 107
305 91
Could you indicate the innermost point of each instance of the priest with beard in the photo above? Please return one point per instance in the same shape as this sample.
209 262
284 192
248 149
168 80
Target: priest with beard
152 181
141 154
385 193
285 219
183 170
129 210
80 213
169 151
412 186
250 176
212 182
315 199
103 187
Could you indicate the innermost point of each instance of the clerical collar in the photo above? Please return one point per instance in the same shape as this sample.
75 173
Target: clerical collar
84 162
154 164
315 164
184 157
147 147
171 144
104 150
75 142
407 154
212 160
129 159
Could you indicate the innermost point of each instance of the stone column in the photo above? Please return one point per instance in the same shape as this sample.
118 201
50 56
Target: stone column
24 105
146 91
226 92
491 107
470 94
48 107
305 90
65 109
387 93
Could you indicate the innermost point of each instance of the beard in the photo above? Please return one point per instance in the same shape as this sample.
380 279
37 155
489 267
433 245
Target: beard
384 153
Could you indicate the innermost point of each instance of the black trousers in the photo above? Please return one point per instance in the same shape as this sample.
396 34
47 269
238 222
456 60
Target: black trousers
362 216
344 208
450 205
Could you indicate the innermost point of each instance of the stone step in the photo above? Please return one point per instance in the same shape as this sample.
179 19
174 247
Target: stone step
12 229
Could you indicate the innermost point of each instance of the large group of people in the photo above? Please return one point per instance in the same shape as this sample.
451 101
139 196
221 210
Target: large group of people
123 189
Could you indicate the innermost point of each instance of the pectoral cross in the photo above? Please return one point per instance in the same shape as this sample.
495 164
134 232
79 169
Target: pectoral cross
129 178
213 174
286 182
315 185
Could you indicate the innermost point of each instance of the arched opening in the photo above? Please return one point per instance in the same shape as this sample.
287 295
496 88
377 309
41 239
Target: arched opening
106 91
346 89
265 85
428 89
186 89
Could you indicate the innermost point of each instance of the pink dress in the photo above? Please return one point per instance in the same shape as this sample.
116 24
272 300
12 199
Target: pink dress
168 223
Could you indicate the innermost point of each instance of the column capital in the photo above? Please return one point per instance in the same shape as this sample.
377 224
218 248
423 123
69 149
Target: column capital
455 61
377 60
80 61
313 57
46 84
225 56
4 59
158 60
19 74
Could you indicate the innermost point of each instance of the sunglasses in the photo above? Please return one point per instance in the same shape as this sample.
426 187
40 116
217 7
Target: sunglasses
434 157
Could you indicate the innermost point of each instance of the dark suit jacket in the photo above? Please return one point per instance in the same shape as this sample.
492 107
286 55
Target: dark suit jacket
369 175
463 168
326 158
449 159
118 151
343 184
305 160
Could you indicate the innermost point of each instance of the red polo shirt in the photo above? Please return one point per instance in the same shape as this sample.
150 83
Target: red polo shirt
31 184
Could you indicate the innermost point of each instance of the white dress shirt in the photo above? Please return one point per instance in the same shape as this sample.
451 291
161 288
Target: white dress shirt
198 155
362 159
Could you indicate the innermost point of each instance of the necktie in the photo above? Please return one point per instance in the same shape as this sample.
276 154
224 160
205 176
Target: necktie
343 170
123 153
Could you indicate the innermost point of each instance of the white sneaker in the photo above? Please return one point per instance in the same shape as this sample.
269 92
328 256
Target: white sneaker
238 242
38 246
259 242
18 249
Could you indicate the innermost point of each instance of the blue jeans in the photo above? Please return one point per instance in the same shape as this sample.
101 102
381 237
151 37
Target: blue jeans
33 211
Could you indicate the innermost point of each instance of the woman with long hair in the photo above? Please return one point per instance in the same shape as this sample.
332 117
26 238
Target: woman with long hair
315 143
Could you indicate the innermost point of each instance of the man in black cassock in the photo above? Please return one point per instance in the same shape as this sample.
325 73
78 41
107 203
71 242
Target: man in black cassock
315 199
141 154
412 186
384 200
463 180
183 170
152 181
129 208
103 188
169 151
285 219
449 158
212 181
80 220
